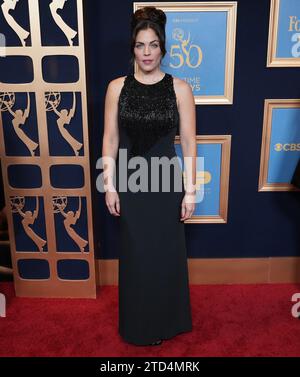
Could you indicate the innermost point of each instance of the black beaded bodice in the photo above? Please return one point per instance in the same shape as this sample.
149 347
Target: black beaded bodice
147 112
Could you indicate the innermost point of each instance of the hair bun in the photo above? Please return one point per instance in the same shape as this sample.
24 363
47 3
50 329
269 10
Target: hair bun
149 13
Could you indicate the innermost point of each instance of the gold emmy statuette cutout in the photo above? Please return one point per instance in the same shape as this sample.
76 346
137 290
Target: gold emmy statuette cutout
64 117
59 204
17 204
24 111
66 29
19 118
6 6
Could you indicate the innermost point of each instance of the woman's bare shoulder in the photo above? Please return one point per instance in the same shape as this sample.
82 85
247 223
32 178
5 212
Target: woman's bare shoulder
116 85
182 89
180 86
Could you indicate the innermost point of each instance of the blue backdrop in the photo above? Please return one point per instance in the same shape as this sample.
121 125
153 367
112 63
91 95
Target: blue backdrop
260 224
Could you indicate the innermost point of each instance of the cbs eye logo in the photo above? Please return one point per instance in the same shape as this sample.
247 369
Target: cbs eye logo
287 147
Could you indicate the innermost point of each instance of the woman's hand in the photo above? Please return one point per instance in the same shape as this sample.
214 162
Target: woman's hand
188 206
113 202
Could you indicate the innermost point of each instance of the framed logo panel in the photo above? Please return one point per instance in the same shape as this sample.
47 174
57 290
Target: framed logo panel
212 183
197 51
280 148
284 34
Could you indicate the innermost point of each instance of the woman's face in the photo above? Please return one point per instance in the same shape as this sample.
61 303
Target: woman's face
147 50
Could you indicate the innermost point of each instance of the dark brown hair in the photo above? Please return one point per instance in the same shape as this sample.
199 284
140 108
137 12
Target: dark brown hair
148 17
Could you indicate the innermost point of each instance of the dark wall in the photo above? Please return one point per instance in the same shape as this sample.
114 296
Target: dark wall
260 224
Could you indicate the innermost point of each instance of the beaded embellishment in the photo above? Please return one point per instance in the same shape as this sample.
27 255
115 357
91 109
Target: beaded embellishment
147 112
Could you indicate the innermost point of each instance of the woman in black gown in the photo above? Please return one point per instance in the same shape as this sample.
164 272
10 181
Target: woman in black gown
142 114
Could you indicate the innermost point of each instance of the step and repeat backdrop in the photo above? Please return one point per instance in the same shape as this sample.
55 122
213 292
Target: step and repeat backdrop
242 61
201 50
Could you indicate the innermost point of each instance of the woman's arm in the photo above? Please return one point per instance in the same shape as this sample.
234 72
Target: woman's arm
187 129
187 112
111 133
111 144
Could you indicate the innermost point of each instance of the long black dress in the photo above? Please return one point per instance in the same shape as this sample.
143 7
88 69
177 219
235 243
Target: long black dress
154 301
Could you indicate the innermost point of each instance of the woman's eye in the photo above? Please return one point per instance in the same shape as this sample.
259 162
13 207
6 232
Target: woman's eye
154 45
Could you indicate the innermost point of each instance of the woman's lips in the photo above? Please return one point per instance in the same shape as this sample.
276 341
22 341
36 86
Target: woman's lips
147 61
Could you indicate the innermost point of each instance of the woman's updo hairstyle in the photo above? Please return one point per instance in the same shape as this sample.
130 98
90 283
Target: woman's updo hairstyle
149 17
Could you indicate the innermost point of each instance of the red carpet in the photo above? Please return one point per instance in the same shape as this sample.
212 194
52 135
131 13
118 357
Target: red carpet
228 320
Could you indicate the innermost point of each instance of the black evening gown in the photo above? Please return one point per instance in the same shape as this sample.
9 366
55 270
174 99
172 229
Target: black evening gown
154 299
